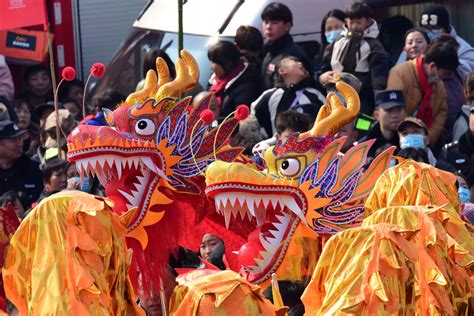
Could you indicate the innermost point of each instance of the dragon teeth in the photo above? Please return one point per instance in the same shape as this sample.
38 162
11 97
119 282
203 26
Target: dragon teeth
293 206
232 199
265 202
227 219
231 204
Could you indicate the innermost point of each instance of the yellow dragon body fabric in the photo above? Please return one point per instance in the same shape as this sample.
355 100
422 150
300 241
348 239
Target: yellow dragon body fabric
68 257
219 293
412 256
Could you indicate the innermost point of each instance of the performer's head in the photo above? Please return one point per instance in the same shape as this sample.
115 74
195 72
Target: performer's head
212 249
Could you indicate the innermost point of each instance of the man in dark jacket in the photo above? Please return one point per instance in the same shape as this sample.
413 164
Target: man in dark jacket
17 171
277 22
388 113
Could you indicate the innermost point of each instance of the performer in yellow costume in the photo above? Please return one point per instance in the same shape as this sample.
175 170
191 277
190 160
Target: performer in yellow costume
68 257
412 256
219 293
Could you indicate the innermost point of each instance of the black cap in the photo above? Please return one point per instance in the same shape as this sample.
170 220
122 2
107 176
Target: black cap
9 129
388 99
435 16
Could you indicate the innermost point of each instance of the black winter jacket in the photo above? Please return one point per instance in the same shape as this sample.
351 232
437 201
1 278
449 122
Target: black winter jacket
242 89
276 51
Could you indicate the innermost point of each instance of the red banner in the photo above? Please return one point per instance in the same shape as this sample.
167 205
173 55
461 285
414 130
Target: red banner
21 13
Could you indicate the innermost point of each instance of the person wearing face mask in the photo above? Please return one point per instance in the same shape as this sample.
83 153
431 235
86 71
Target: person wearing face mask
424 92
435 20
332 26
463 189
413 133
453 84
74 181
359 52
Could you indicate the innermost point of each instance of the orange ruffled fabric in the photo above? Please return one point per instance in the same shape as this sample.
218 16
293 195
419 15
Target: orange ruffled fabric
214 293
404 260
342 283
69 257
443 267
414 183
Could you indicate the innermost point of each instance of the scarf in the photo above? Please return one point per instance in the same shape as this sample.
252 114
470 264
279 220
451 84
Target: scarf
425 113
219 87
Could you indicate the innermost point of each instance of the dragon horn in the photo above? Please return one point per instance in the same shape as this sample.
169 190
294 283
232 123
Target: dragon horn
334 114
150 86
187 75
163 72
192 65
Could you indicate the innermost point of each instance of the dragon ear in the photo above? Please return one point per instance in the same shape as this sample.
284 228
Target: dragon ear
333 115
109 116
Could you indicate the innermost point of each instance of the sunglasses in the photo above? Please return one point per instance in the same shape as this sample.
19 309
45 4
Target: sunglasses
472 111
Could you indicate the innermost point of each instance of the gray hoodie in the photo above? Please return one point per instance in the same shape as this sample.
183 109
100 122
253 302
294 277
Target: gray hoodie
462 123
465 54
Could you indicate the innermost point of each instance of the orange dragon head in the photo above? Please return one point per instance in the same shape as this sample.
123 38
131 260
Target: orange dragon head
152 154
307 183
147 145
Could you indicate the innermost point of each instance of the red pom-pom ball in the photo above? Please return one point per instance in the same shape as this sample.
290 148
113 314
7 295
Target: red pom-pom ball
207 116
248 253
242 112
68 73
97 70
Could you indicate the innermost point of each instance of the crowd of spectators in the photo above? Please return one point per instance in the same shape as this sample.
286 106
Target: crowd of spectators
416 90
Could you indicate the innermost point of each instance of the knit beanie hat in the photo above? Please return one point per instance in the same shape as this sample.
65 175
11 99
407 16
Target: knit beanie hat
435 16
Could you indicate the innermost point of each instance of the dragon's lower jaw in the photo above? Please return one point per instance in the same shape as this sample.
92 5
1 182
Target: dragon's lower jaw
275 216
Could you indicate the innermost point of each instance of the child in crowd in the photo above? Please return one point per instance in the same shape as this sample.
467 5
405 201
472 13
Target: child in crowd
296 88
286 123
359 52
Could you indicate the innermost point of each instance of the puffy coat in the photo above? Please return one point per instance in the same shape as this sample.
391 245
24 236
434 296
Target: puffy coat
405 77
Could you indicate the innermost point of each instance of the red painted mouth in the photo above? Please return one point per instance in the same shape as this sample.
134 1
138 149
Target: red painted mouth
275 216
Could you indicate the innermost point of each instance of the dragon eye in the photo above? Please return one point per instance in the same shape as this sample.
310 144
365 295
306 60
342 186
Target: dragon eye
145 127
290 167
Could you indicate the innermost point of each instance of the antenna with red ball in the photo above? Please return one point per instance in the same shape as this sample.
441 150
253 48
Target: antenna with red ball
68 74
97 71
207 117
241 113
